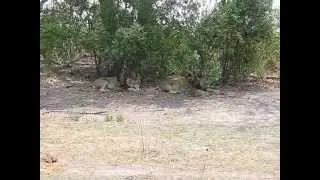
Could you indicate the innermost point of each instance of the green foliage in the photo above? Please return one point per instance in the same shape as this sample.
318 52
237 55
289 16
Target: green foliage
128 47
234 31
159 38
60 34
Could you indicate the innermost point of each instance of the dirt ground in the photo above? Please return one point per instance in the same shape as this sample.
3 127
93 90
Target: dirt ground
231 134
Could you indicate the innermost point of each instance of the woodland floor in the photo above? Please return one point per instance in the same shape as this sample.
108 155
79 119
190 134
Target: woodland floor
231 134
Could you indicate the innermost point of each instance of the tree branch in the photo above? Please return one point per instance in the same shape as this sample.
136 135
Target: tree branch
42 2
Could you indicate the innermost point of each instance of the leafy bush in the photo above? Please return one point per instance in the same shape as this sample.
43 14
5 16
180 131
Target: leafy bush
157 39
128 48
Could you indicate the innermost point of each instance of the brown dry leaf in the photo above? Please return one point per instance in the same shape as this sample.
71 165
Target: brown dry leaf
49 158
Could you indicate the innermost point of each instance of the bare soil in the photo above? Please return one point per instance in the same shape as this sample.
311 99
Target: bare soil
230 134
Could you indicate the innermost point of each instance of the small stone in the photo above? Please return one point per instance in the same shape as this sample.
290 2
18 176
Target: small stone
133 89
198 93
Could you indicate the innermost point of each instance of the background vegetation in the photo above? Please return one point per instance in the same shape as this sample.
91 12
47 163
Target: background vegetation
157 38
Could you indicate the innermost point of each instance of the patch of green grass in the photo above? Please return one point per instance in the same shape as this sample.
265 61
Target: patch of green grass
108 118
120 118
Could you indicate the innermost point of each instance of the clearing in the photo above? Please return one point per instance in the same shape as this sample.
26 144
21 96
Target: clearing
230 134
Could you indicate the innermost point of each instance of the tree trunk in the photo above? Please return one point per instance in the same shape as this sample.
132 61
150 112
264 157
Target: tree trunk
42 2
97 62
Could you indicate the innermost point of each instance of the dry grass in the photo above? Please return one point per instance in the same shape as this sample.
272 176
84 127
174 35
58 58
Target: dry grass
190 151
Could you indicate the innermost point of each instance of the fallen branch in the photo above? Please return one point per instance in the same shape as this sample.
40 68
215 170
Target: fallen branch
78 58
99 112
67 64
273 77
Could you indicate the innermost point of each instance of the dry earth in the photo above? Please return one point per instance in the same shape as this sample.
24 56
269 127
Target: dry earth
230 134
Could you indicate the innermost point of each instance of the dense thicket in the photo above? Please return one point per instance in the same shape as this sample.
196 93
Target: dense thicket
157 38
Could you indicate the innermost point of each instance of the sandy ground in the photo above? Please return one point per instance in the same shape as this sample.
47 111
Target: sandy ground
154 135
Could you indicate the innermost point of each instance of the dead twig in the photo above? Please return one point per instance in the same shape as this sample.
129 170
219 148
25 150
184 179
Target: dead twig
141 135
48 158
204 165
99 112
78 58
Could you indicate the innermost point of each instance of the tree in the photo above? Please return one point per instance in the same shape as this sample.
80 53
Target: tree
157 38
42 2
